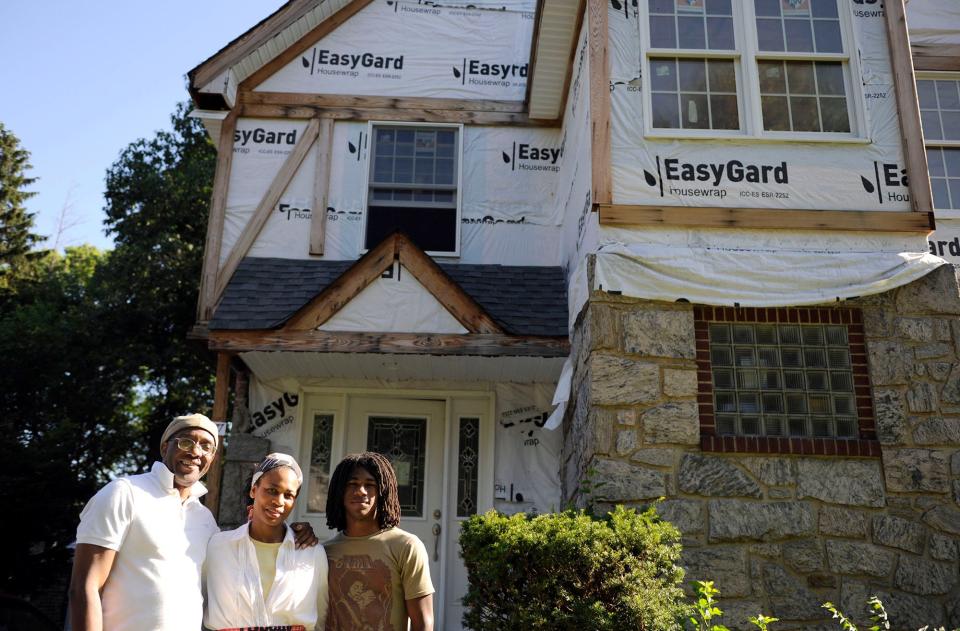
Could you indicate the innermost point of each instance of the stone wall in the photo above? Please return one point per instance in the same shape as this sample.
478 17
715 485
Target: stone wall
782 534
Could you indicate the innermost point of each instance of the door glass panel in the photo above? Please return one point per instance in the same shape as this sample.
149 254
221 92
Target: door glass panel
403 441
320 463
468 453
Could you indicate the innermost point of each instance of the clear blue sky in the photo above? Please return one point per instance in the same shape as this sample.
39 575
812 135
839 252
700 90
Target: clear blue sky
81 79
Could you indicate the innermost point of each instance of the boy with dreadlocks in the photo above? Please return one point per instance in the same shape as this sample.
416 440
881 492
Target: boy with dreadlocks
379 575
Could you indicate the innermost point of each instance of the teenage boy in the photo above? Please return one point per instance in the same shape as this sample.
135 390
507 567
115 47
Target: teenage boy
379 575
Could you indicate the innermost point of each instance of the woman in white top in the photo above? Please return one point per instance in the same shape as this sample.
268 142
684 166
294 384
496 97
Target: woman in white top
255 576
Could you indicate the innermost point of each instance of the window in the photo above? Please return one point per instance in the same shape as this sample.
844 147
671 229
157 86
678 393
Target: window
782 375
757 68
940 114
321 447
413 187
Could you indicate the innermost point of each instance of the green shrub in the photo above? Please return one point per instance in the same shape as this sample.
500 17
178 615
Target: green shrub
571 570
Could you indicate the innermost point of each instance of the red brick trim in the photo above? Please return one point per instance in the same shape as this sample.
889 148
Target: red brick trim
866 445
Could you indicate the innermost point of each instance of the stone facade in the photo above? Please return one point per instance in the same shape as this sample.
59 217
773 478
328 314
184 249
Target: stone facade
781 534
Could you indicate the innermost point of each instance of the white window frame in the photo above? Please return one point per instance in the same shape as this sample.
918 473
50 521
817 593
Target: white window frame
459 177
944 213
746 55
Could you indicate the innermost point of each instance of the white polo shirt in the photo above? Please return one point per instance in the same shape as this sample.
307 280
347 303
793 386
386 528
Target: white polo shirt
160 543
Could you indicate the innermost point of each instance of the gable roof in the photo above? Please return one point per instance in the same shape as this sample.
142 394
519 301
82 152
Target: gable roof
266 292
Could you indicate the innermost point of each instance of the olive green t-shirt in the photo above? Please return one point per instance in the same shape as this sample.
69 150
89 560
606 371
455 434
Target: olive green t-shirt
371 577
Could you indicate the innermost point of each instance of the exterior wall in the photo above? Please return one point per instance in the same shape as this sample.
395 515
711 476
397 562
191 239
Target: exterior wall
781 534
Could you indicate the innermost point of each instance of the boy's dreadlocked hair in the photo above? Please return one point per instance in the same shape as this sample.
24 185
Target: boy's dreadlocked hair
388 506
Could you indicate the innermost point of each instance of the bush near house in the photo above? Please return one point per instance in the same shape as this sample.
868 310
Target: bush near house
571 570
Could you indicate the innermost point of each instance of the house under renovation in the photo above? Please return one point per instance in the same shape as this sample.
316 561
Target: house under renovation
681 245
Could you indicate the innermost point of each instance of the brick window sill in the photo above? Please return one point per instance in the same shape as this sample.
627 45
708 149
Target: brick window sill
854 447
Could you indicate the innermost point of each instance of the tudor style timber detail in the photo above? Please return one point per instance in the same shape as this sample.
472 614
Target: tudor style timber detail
766 218
908 109
598 45
321 187
370 266
266 205
218 211
936 57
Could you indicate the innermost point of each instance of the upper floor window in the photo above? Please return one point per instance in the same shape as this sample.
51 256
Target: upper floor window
414 185
940 114
761 68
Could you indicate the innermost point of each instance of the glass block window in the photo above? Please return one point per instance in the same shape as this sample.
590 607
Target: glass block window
413 185
468 464
750 67
940 115
403 441
319 475
782 380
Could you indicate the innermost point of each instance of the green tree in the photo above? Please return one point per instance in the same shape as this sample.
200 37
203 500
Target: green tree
16 238
158 195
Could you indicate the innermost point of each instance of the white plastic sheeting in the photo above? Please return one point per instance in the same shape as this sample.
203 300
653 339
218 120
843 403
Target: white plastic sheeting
933 21
945 240
509 214
526 458
416 50
756 268
867 175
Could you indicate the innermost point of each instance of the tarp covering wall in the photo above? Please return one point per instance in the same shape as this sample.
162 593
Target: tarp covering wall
509 214
756 268
416 50
526 467
933 21
865 174
945 240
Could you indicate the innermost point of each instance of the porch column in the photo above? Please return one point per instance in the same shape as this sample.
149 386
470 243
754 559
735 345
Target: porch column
221 400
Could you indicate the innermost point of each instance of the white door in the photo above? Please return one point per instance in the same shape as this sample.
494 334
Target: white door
441 449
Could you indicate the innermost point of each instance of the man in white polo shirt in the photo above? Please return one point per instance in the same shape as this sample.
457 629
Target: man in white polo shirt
142 540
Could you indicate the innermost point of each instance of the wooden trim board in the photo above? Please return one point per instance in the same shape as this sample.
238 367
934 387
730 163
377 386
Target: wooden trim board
597 43
711 217
215 220
389 114
341 101
937 58
321 187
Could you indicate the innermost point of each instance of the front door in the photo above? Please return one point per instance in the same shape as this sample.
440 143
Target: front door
442 452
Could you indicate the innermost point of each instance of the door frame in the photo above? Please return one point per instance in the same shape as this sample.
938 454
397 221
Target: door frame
487 444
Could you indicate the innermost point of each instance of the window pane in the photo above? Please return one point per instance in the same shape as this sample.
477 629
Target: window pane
941 194
772 80
827 35
719 7
693 75
830 78
694 111
834 113
690 32
724 113
468 466
951 125
927 92
663 75
661 6
767 7
663 31
403 170
776 115
931 125
722 76
954 193
666 112
800 78
947 95
720 33
804 114
952 161
824 8
799 36
770 34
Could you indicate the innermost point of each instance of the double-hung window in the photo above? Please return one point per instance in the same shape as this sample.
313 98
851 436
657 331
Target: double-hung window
939 97
414 185
750 68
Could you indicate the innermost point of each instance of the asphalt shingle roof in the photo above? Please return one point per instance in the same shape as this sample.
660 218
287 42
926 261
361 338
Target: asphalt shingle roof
523 300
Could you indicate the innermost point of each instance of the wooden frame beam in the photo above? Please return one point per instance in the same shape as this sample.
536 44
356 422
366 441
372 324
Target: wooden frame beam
597 43
221 402
766 218
936 57
488 345
371 265
321 187
346 101
265 207
215 220
908 109
389 114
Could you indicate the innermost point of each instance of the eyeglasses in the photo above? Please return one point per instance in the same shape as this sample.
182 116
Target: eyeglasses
187 444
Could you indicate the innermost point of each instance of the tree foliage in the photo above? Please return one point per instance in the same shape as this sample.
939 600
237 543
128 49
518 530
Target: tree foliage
16 224
94 357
